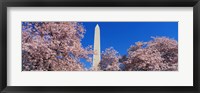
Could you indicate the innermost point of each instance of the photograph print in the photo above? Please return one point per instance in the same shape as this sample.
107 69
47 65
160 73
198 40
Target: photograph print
99 46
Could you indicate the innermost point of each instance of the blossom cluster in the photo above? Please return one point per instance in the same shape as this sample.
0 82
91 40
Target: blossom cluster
53 46
159 54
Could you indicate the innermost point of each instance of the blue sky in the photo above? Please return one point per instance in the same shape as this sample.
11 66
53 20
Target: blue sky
121 35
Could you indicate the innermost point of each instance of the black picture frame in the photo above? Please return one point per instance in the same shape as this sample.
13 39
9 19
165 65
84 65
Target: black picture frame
100 3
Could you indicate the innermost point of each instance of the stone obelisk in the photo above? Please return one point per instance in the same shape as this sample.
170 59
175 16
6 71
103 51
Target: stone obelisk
97 55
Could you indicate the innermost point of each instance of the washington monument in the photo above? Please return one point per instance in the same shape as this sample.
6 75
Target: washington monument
97 55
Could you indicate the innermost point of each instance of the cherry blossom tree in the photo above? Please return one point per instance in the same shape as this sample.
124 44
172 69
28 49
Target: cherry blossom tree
110 60
53 46
159 54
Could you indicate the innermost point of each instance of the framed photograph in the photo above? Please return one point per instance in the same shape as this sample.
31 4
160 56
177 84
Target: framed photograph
99 46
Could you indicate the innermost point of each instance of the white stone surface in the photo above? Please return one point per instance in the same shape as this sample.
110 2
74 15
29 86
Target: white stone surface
97 55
